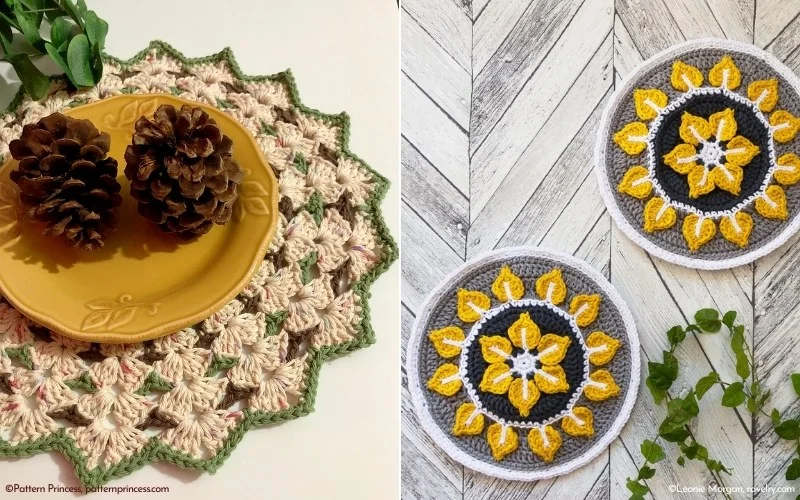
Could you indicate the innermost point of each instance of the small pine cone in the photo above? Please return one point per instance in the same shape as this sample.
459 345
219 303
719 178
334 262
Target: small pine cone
181 170
66 180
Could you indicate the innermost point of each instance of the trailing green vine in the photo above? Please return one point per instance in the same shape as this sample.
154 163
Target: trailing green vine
682 411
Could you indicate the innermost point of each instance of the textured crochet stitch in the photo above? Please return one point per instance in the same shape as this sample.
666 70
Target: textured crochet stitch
190 397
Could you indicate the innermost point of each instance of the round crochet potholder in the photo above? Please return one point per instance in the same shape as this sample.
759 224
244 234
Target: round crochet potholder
697 154
524 364
190 397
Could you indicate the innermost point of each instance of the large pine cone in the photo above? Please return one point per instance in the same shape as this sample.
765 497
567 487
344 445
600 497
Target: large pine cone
181 170
65 179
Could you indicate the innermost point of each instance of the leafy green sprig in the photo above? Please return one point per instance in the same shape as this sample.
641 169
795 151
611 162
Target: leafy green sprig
75 41
747 390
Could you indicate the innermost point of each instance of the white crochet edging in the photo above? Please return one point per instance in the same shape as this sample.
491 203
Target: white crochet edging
607 191
475 331
446 441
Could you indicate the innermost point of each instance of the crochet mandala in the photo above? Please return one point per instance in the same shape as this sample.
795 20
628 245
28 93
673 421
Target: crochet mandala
524 364
189 398
698 154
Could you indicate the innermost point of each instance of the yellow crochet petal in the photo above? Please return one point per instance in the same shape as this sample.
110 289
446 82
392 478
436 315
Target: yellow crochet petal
445 380
507 283
723 124
658 215
649 102
636 183
551 287
682 158
601 348
469 421
784 125
772 204
502 440
632 138
737 228
685 76
788 171
524 333
725 74
600 386
700 181
553 348
728 177
523 394
551 379
495 349
545 442
447 341
585 309
698 232
694 129
471 305
579 423
496 378
764 93
740 151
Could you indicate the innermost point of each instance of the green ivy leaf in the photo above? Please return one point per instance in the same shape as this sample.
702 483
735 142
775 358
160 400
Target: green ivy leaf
676 335
704 384
708 320
651 451
796 383
776 417
646 472
737 345
637 489
788 429
733 395
793 472
681 461
673 434
79 60
729 318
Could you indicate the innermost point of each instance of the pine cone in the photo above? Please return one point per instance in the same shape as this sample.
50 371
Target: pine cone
66 180
181 170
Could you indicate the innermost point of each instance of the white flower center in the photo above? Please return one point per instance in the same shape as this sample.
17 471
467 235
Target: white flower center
524 363
711 154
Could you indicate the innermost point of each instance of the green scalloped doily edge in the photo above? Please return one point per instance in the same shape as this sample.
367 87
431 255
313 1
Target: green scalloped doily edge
155 451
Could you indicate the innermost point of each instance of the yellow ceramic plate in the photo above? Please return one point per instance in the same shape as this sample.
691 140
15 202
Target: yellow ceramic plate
143 283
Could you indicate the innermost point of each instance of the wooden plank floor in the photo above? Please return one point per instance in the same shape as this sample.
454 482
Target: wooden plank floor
501 101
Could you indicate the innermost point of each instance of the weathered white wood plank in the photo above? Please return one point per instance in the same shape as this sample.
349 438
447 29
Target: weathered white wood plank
438 138
735 18
650 26
435 71
620 466
447 24
493 27
772 17
596 246
434 198
626 54
543 145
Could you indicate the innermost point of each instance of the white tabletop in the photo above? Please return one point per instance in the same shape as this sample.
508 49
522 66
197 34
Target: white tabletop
344 57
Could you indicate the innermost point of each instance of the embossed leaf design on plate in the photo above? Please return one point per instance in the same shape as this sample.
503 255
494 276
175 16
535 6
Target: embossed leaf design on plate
111 314
9 212
252 199
129 113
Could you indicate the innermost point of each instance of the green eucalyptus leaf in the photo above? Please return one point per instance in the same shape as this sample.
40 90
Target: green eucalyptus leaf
35 83
53 52
793 472
704 384
788 429
82 6
79 61
729 318
96 29
733 395
29 27
60 32
651 451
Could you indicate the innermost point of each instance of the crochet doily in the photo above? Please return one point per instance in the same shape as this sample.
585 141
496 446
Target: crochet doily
190 397
697 155
524 364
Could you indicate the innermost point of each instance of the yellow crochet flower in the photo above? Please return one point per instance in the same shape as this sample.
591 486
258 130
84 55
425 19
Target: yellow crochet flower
711 154
533 369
